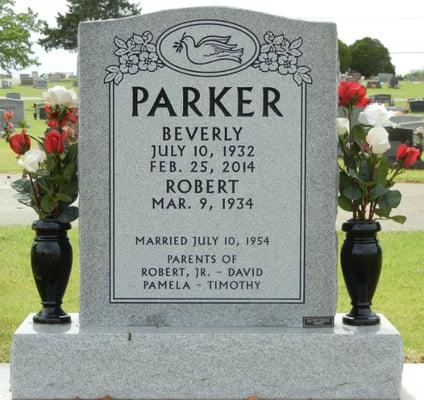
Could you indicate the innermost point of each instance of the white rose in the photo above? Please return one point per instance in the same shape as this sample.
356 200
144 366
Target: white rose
342 126
378 139
59 95
32 159
377 115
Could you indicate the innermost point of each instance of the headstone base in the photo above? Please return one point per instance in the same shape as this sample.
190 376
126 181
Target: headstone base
68 362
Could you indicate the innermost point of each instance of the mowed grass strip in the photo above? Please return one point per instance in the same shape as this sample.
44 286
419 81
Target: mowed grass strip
399 295
19 296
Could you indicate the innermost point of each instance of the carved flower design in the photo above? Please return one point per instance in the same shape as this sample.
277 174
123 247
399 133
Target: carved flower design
138 53
148 61
287 64
128 64
268 62
280 54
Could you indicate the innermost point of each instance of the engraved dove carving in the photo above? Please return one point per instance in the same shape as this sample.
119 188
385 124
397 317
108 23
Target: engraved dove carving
209 49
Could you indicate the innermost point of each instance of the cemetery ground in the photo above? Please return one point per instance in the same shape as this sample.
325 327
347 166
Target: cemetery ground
399 293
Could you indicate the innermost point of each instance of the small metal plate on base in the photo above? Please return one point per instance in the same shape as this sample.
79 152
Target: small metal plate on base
317 322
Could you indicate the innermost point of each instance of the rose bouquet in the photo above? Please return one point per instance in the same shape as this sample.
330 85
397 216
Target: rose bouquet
366 174
49 183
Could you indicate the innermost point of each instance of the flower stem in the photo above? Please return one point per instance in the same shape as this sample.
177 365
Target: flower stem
35 191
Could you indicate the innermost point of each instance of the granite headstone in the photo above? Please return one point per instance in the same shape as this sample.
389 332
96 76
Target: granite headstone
14 105
27 80
398 136
416 105
382 98
41 111
40 84
208 182
6 84
219 189
13 95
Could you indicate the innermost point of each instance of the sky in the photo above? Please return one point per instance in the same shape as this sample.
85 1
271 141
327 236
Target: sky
398 25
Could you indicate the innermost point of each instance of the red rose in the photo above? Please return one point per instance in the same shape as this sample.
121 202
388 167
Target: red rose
352 93
52 123
20 142
7 115
71 116
409 155
401 150
54 142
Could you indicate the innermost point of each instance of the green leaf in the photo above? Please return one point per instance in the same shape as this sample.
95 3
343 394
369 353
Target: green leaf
72 152
22 185
358 133
48 204
400 219
71 188
63 197
352 192
42 184
345 203
343 181
68 214
377 191
365 170
51 162
57 180
391 199
382 169
383 212
25 198
70 170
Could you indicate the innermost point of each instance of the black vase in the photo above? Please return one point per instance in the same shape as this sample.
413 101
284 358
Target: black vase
51 261
361 258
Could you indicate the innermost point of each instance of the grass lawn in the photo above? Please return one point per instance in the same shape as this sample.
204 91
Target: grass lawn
29 91
407 90
399 296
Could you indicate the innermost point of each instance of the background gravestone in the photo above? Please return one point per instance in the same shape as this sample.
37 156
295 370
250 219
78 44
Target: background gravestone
41 112
416 105
13 95
257 182
398 136
14 105
40 84
382 98
26 80
6 84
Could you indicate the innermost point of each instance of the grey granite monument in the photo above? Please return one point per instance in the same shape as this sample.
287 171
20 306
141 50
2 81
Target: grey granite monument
14 105
208 202
13 95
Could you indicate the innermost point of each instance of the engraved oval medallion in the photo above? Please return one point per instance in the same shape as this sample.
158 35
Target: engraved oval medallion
208 48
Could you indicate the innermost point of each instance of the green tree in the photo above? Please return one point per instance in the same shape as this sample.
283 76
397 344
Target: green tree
15 37
345 57
415 75
370 57
65 36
